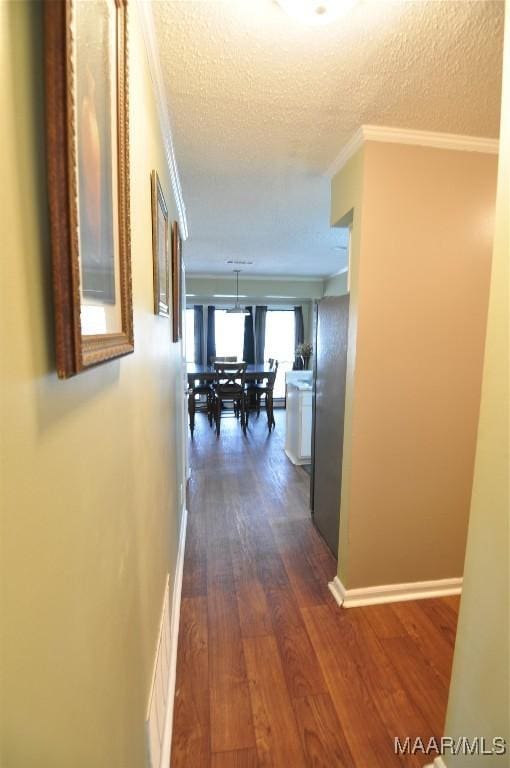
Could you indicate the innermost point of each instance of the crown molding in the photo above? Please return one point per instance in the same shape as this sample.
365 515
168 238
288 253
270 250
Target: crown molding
347 151
408 136
149 35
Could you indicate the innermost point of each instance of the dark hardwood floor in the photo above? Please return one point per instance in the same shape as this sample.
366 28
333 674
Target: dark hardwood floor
270 671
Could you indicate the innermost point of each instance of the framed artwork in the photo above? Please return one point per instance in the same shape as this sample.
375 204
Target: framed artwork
176 282
88 180
159 247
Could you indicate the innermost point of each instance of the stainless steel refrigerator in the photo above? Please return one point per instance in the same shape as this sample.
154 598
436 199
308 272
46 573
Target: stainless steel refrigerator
331 328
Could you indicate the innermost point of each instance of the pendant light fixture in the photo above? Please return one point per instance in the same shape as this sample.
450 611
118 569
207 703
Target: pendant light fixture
237 309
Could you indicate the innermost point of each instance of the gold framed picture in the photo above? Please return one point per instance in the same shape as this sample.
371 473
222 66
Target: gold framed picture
88 180
160 247
176 283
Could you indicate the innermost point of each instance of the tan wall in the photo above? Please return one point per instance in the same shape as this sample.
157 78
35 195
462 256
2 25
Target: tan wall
90 469
419 284
479 694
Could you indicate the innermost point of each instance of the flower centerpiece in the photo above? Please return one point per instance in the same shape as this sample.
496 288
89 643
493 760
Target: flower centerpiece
304 351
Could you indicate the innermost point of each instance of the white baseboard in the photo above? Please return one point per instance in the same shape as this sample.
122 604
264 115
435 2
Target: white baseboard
295 460
174 637
393 593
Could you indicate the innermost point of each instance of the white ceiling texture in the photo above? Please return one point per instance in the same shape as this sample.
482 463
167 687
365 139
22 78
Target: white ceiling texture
261 104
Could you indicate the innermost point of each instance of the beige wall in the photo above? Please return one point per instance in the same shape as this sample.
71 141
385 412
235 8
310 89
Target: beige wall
90 469
479 694
255 288
419 286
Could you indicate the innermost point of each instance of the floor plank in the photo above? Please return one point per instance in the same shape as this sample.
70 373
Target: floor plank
241 758
191 740
427 637
278 742
429 693
302 670
364 730
231 718
322 736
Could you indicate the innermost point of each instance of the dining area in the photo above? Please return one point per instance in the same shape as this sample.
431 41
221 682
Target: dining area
229 388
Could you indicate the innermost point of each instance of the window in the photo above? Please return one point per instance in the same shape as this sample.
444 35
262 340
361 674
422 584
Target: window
190 335
229 331
280 344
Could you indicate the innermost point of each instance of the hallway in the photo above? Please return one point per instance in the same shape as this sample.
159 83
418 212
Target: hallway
270 670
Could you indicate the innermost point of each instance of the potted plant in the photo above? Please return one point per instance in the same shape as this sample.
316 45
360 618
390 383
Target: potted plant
304 351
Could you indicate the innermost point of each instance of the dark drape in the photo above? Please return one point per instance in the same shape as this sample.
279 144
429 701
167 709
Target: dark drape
299 328
249 341
260 333
198 314
211 334
299 335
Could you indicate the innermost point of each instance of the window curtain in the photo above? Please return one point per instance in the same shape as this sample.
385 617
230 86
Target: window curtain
249 340
198 316
211 334
299 335
260 333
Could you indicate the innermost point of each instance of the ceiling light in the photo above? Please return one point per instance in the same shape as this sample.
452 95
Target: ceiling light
237 309
315 11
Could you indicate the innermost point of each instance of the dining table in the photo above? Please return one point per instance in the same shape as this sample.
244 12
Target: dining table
196 372
204 374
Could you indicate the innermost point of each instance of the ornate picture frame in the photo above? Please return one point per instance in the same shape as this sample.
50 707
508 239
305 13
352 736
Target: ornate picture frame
176 283
87 127
160 248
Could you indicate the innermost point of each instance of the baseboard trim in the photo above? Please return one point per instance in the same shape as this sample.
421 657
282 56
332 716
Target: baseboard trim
294 459
393 593
174 637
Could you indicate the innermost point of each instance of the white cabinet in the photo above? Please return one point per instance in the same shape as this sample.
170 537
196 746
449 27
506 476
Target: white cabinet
298 434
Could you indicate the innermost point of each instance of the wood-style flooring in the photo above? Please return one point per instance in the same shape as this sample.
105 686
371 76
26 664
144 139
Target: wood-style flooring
270 671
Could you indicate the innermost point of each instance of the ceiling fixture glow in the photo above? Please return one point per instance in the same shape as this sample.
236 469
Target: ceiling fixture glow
237 309
315 11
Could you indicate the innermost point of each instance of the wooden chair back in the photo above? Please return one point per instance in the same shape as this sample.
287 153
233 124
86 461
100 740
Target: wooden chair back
224 359
229 376
272 375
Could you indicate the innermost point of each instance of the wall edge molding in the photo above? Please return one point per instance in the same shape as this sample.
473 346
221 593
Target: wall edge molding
174 637
393 593
149 35
389 135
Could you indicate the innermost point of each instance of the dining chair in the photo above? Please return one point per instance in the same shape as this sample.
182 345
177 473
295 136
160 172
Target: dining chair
229 381
265 389
200 387
232 359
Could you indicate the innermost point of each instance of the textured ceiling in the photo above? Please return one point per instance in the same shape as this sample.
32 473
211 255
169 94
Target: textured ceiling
260 105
